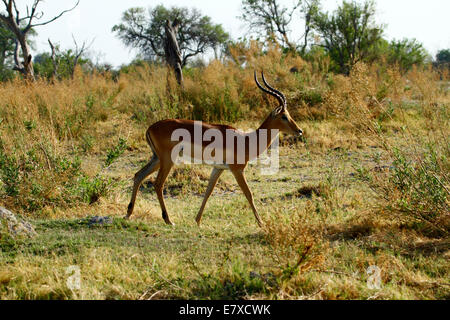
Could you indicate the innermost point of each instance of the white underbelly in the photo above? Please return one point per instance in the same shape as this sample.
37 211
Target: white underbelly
210 162
203 158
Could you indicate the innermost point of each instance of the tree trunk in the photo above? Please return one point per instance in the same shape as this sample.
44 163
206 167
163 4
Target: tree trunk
172 50
2 58
54 60
14 23
28 61
25 66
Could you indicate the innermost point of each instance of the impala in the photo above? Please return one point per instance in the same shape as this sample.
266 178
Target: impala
160 137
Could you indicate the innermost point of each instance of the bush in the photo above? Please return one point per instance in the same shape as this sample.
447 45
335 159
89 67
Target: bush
9 174
40 178
416 189
116 152
90 190
37 178
294 245
406 53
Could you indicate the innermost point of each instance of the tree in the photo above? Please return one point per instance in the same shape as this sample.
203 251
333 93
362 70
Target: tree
269 18
350 34
272 20
406 53
172 50
442 61
61 64
21 26
146 31
443 56
6 51
310 9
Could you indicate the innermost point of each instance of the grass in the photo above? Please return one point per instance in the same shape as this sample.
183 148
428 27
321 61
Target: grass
229 257
367 186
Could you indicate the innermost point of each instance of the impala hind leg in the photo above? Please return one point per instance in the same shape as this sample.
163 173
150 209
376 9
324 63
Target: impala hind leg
212 183
240 178
149 168
159 186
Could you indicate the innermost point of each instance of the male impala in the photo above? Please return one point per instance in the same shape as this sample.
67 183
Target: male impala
160 137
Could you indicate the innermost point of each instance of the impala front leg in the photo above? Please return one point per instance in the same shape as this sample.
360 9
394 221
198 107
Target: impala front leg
240 178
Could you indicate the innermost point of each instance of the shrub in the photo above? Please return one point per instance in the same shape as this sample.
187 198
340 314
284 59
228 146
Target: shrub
37 178
40 178
416 189
9 174
90 190
294 245
116 152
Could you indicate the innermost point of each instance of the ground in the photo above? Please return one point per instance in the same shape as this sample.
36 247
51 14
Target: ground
229 256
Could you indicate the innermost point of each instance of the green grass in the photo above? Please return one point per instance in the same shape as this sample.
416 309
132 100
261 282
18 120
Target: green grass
229 257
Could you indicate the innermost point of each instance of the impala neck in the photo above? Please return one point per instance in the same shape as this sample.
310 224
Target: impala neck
265 135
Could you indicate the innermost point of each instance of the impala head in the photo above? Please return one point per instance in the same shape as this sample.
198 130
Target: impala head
280 118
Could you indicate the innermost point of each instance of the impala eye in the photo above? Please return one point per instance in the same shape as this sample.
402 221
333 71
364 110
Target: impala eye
284 117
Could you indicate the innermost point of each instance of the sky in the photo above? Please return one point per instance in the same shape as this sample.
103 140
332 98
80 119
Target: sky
92 21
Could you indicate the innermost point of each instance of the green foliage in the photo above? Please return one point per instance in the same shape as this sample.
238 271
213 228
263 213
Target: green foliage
133 66
350 34
6 52
40 178
422 185
114 153
9 174
312 97
443 56
91 190
44 67
406 53
207 106
29 125
87 142
443 59
196 33
6 73
26 178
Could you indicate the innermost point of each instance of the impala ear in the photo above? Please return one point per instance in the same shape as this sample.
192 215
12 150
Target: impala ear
277 111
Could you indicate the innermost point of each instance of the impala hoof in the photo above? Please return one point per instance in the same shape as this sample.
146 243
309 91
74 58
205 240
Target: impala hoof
165 216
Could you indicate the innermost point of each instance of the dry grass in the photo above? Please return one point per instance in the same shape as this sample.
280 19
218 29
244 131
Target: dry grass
335 208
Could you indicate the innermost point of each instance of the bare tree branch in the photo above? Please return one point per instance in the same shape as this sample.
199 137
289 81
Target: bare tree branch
32 15
271 18
14 23
79 51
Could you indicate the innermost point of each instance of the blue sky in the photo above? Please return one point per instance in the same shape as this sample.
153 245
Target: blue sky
426 21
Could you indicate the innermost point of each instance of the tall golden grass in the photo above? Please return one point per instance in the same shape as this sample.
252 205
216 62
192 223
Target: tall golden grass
46 127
